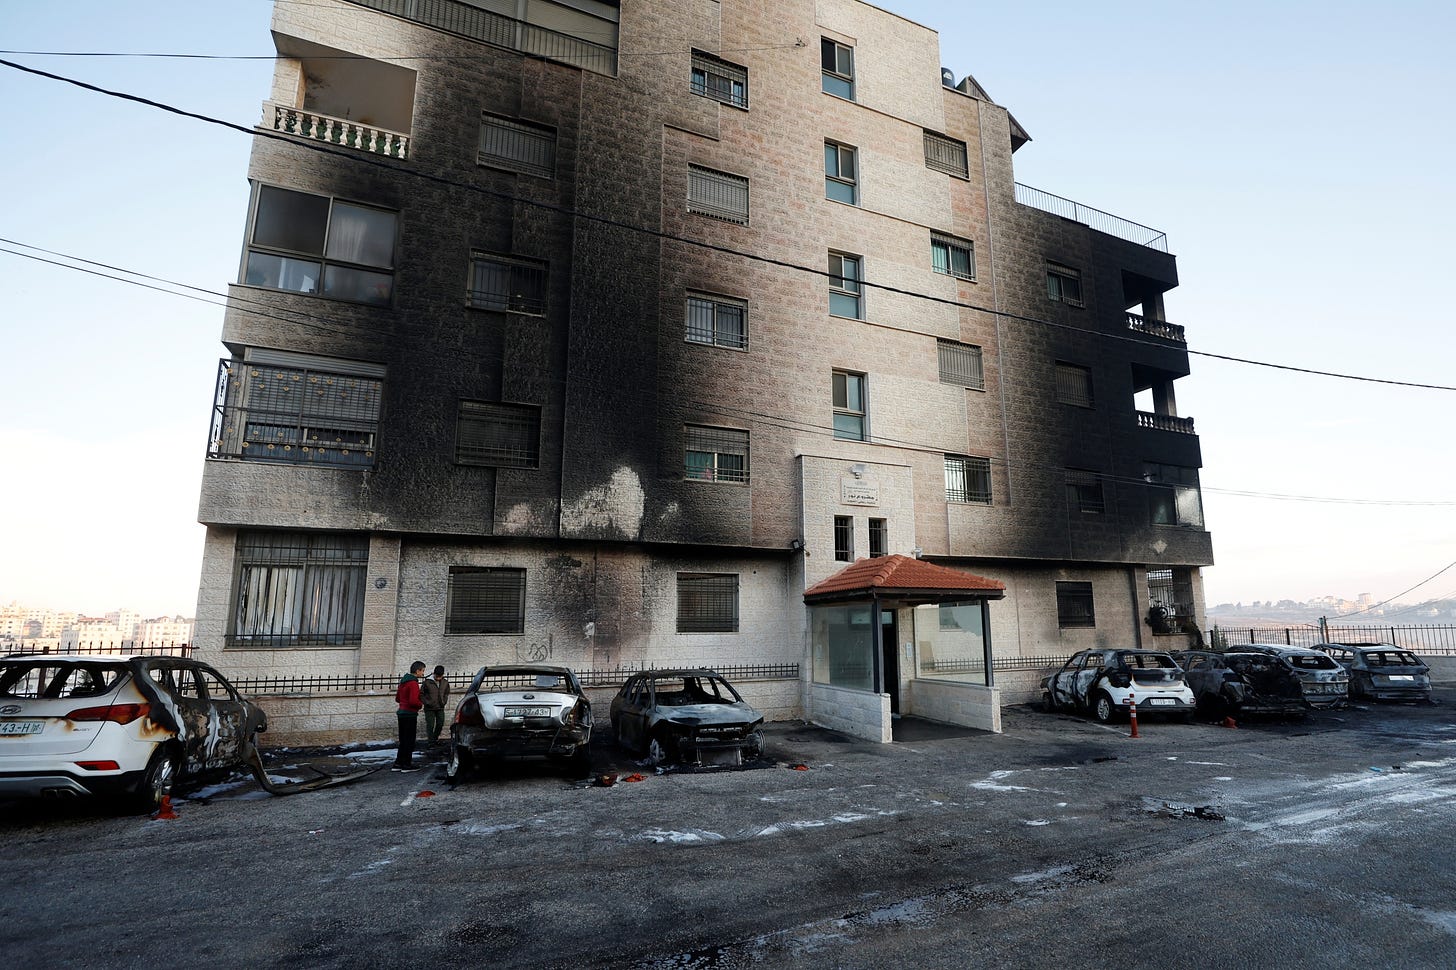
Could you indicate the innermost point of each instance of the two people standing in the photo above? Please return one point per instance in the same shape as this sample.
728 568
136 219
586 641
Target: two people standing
412 696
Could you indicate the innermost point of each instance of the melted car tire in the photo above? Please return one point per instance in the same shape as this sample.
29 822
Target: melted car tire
1103 709
1048 704
656 752
157 781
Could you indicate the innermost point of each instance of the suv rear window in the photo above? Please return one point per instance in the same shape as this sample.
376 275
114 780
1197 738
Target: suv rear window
52 679
1392 658
1311 661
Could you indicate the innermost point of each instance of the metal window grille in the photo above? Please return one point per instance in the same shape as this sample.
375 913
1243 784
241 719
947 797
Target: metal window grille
844 538
707 603
1074 605
1074 385
1084 492
298 415
296 588
1064 284
967 479
837 61
517 146
498 435
720 80
507 284
848 391
1171 589
952 256
718 321
961 364
879 538
945 154
485 601
845 285
841 173
718 194
715 454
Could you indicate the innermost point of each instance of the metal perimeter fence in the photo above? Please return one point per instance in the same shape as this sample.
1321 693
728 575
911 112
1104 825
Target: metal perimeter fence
1437 640
605 677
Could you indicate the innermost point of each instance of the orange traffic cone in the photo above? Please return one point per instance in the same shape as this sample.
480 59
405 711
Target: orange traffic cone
1229 722
1132 715
166 812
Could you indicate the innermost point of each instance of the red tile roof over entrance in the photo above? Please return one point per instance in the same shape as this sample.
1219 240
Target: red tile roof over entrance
886 574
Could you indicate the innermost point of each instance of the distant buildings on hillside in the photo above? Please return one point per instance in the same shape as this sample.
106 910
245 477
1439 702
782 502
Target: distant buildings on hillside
62 630
1363 606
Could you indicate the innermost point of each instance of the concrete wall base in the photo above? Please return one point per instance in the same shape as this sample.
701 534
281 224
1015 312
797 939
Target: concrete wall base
953 702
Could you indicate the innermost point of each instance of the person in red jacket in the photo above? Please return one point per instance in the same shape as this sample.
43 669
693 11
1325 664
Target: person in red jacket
407 696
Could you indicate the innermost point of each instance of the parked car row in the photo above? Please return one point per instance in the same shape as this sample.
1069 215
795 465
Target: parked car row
1253 678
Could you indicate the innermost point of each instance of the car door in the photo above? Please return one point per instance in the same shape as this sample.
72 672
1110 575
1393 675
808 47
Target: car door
1085 679
1064 680
228 723
630 713
193 715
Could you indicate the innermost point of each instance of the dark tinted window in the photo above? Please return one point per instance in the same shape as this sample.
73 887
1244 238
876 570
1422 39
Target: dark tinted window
48 678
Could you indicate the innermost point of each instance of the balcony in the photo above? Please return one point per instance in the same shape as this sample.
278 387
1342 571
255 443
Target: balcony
1156 328
335 131
1165 422
1094 218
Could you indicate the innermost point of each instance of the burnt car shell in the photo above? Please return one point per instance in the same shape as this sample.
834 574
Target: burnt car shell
522 711
1325 683
1382 671
690 715
1107 682
1237 682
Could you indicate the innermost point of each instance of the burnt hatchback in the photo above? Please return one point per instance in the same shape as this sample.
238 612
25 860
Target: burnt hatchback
693 716
1325 683
1382 671
522 711
1237 682
1108 683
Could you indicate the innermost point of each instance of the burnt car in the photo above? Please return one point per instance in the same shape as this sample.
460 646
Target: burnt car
1326 684
1382 671
126 727
693 716
1238 682
522 711
1107 683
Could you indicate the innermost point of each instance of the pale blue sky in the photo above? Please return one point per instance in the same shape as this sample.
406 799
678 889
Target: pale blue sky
1296 154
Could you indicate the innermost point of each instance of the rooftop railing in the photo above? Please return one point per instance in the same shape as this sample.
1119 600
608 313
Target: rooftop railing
1095 218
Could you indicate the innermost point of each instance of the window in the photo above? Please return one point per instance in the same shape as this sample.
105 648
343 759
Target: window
1173 495
485 601
277 406
718 321
718 194
507 284
961 364
1084 492
838 63
296 588
707 603
967 479
1074 605
1064 284
845 285
952 256
307 243
1170 597
841 183
844 538
945 154
715 454
849 406
498 435
517 146
1074 385
718 79
879 538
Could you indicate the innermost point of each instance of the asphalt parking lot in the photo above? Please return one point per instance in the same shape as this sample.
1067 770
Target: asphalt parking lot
1321 841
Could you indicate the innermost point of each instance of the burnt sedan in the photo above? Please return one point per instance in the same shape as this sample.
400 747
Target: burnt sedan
1325 683
694 716
1109 683
1236 682
522 711
1382 671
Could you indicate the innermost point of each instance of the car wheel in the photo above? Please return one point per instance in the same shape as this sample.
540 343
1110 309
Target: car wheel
1103 708
1048 704
460 763
657 752
580 763
157 781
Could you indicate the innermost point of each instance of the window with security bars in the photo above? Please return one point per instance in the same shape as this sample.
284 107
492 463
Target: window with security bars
879 538
837 61
951 256
720 80
961 364
1064 284
490 600
707 603
507 284
1074 385
718 194
1171 589
1084 492
298 589
718 321
968 479
517 146
1074 605
844 538
1174 496
297 411
715 454
498 435
945 154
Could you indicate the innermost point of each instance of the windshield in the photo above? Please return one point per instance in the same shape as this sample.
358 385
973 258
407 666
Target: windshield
676 691
1311 661
31 679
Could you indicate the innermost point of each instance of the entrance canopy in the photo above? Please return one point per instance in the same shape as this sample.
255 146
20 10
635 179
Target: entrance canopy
902 581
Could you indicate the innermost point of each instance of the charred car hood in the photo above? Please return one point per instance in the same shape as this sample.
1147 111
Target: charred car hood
716 714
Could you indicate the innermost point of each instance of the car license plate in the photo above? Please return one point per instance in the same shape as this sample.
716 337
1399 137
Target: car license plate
528 712
12 728
1161 700
1401 677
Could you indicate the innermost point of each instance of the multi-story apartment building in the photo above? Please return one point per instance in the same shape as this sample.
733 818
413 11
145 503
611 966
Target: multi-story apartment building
603 332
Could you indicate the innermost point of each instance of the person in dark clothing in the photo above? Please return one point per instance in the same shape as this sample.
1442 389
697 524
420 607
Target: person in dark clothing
435 694
407 696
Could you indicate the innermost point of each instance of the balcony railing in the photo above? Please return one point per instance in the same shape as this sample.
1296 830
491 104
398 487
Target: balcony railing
336 131
1165 422
1156 328
468 20
1095 218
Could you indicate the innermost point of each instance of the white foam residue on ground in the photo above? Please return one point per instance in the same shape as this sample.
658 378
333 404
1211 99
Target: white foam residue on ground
1042 876
1207 764
1037 821
1223 778
680 838
992 782
482 828
372 868
1442 920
